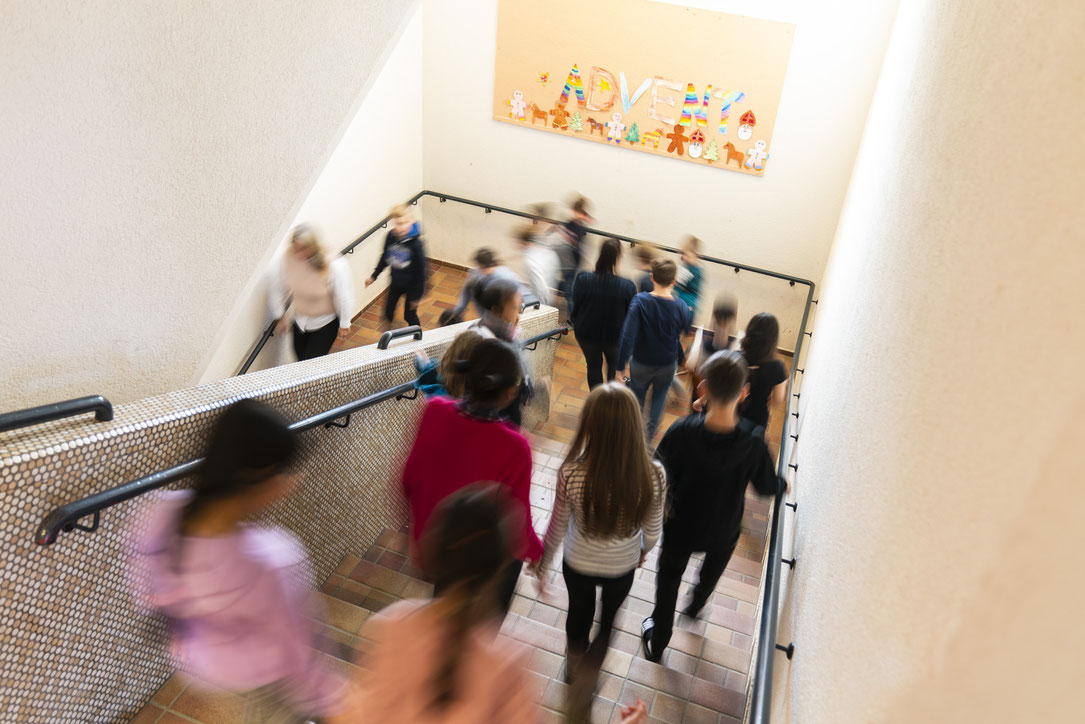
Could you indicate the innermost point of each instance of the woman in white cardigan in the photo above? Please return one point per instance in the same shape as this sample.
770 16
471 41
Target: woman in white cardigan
319 292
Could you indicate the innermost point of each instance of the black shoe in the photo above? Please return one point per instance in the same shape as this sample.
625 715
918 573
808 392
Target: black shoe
693 611
646 628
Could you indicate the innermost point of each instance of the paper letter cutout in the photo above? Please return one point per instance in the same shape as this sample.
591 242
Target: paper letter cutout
666 100
572 84
593 86
702 112
628 102
728 98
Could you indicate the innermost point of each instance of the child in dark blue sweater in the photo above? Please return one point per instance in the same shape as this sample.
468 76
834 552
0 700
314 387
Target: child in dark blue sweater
651 341
405 256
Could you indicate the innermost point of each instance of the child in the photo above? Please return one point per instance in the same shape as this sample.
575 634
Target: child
487 268
601 300
459 443
405 256
768 376
719 337
444 378
651 341
319 291
232 589
540 263
501 303
573 232
644 256
608 512
709 462
690 274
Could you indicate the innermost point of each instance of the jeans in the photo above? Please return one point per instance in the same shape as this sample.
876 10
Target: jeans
410 304
581 589
316 343
642 377
672 564
594 354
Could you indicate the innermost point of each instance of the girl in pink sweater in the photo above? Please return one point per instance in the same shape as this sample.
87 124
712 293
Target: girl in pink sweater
459 443
233 592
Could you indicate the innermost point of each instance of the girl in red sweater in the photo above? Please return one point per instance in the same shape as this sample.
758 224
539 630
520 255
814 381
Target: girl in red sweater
459 443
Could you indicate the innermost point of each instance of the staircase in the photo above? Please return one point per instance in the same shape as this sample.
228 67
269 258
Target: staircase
704 673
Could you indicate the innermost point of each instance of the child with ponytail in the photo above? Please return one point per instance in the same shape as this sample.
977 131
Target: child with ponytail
231 590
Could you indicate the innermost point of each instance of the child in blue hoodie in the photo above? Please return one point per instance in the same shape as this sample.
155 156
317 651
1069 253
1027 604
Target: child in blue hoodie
405 257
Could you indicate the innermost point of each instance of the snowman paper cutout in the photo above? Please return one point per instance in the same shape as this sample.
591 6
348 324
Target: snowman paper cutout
746 124
517 106
696 144
757 156
615 128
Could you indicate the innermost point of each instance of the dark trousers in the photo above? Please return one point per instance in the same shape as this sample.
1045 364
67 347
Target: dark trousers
410 304
594 354
506 585
316 343
581 589
672 564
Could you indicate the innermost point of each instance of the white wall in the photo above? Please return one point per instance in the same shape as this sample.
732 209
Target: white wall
152 152
784 221
370 170
939 471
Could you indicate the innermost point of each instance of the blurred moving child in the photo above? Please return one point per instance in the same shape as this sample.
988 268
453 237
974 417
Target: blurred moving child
241 619
709 462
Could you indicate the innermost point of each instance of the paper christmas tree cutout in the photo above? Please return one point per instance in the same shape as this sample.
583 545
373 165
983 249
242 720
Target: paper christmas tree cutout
711 152
634 134
576 123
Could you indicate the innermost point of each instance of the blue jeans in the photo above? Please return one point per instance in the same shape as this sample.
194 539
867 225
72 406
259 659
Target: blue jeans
641 377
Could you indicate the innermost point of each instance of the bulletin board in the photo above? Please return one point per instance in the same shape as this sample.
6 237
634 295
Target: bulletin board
685 83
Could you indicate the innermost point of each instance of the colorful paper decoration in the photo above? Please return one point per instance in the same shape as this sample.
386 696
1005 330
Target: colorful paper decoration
576 122
728 97
733 154
634 134
702 112
757 156
655 137
745 125
653 113
696 143
678 140
572 83
600 84
595 126
544 78
690 105
561 117
615 128
628 102
517 107
537 113
711 152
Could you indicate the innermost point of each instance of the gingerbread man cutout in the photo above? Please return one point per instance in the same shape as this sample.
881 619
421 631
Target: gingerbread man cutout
678 140
561 117
517 105
615 128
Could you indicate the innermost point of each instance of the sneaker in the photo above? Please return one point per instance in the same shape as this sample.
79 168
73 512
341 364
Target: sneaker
646 628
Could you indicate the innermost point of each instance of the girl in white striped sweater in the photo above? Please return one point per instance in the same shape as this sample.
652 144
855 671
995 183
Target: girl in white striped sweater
609 512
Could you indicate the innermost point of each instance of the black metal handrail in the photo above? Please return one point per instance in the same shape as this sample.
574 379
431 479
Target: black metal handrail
412 331
761 698
100 406
489 208
66 518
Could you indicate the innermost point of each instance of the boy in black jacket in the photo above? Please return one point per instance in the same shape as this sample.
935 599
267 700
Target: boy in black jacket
405 256
709 461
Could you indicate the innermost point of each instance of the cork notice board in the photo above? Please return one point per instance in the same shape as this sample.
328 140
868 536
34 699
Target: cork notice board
686 83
